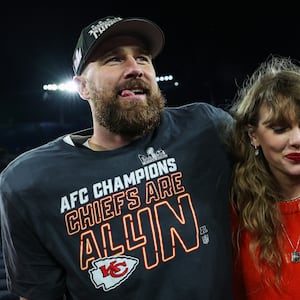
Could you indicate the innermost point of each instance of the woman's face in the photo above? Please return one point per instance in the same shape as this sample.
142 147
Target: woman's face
280 144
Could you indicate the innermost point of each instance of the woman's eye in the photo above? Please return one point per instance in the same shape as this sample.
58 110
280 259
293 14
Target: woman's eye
279 129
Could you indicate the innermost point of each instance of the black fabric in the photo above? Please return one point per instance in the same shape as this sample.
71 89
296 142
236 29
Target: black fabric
4 293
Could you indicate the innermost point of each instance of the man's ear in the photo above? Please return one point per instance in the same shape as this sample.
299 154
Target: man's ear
80 84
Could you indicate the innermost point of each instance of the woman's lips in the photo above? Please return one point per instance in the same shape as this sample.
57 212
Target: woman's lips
293 156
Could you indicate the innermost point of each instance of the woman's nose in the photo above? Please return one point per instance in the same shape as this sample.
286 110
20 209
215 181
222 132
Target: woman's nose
295 137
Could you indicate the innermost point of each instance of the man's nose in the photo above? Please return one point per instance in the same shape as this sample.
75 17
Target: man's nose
133 68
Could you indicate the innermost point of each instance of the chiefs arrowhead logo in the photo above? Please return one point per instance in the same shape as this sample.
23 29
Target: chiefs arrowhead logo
110 272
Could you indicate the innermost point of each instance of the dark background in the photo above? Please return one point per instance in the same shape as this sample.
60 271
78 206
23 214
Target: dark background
210 49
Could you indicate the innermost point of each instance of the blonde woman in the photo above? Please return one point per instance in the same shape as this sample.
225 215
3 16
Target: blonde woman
266 183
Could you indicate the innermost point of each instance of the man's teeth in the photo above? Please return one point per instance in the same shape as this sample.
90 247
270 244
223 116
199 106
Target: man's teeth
138 91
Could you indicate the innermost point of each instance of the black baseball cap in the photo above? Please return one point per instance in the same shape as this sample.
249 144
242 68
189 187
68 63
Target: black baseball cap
92 35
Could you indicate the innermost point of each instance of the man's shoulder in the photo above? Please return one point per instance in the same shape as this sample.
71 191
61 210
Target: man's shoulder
30 158
198 106
202 110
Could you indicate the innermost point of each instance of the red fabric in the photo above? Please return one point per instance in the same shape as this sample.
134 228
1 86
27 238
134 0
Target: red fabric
248 285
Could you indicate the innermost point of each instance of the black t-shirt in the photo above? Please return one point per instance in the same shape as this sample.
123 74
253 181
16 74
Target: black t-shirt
4 293
150 220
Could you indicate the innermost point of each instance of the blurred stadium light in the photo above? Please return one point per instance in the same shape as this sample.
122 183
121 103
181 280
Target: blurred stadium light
166 81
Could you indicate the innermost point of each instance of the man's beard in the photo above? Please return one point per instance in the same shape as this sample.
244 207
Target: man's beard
128 118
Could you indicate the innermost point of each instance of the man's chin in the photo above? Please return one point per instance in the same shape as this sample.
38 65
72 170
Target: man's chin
132 103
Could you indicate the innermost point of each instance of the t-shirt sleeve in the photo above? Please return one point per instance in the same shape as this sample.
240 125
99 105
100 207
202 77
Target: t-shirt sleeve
32 268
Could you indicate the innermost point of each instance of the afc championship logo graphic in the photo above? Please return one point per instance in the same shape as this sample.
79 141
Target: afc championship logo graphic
152 155
110 272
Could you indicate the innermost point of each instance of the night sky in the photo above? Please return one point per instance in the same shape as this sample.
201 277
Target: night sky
210 49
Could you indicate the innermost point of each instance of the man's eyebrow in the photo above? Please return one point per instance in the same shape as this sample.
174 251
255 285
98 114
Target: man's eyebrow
119 50
112 52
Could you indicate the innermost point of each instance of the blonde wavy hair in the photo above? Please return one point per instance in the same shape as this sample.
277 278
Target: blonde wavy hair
255 191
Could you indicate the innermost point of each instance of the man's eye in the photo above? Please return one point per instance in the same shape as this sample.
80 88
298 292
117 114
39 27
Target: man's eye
142 58
113 59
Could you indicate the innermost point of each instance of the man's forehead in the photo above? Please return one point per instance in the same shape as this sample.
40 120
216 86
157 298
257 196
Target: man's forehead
115 44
